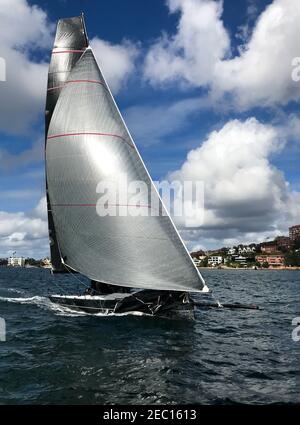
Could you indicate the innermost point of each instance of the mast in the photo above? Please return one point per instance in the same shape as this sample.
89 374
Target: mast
70 42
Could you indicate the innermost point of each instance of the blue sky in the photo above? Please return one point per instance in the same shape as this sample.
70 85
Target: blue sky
202 76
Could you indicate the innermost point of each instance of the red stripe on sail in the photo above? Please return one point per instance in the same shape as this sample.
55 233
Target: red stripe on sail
85 81
89 134
67 51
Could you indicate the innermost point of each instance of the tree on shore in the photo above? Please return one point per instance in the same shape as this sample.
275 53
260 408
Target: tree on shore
32 262
292 259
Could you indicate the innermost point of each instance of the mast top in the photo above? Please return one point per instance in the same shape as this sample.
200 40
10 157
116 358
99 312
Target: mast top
84 28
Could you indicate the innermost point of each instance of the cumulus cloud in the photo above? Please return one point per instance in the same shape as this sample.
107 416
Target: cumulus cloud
117 61
26 35
40 211
23 28
198 54
244 194
191 54
26 233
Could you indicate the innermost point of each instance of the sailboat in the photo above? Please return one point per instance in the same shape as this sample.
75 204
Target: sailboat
136 262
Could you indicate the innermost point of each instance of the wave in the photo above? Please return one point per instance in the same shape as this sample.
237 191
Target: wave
17 291
45 303
20 300
42 302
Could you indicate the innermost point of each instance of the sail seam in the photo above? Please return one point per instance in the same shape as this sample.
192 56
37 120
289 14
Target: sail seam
94 205
90 134
77 81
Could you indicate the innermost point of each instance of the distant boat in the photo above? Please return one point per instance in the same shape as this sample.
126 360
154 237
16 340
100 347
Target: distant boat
85 137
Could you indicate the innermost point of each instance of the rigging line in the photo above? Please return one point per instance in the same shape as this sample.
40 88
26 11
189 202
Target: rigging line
73 274
143 302
57 285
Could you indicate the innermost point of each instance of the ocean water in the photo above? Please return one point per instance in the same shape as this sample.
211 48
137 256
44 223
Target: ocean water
224 356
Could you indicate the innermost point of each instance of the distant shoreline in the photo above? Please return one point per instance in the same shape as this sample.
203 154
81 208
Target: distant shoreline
248 268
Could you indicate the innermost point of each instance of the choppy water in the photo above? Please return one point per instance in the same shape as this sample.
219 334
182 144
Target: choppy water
224 356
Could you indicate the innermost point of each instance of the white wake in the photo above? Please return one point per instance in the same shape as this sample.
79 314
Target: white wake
45 303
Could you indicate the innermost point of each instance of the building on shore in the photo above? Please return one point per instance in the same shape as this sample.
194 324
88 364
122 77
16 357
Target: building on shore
269 248
16 262
284 242
46 263
275 260
294 233
246 249
241 259
215 260
242 249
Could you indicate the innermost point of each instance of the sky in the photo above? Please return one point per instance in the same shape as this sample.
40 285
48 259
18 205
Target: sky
209 89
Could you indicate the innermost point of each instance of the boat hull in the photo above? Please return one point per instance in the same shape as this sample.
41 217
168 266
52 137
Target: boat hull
154 303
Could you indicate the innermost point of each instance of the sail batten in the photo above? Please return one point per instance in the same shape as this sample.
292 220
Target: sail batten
88 143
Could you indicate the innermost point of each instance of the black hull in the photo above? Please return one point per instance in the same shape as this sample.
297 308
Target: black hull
154 303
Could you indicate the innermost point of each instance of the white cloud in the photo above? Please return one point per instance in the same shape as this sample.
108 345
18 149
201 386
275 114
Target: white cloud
261 75
117 61
198 54
245 195
23 29
25 35
40 211
27 233
191 54
23 26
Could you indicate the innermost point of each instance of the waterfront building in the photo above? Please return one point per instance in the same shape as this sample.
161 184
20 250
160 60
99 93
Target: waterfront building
246 249
215 260
241 259
16 262
283 242
46 263
294 233
269 248
276 260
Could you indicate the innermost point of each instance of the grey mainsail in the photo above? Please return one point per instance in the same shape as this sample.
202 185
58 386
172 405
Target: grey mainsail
70 42
88 143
